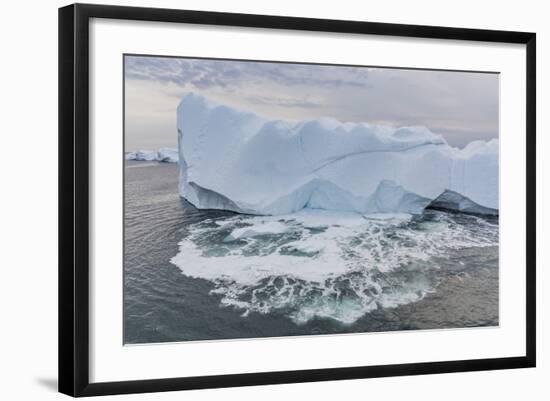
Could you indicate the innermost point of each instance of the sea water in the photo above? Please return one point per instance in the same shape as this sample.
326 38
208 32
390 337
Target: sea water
202 275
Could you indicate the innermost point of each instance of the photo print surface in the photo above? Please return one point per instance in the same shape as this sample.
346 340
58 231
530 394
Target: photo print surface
266 199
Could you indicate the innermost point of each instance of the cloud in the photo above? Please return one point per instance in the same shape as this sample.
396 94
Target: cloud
210 73
285 102
460 106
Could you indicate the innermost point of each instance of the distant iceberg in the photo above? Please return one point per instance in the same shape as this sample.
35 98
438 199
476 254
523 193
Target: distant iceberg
167 155
235 160
142 155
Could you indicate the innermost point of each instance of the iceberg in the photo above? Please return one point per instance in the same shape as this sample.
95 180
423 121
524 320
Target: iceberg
142 155
238 161
167 155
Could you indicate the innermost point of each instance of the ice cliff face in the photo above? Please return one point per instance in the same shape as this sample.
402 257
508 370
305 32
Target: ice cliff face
235 160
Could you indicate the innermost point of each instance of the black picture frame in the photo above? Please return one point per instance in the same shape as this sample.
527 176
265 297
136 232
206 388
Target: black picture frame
74 198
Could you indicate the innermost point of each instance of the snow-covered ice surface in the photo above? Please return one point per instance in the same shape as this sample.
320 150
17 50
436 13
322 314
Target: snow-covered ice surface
167 155
235 160
326 264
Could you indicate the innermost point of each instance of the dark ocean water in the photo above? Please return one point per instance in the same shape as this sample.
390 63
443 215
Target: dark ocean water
455 286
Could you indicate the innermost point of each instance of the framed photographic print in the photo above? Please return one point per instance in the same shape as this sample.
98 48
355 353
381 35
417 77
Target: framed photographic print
250 199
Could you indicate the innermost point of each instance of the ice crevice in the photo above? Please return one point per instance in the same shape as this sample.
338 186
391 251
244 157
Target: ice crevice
337 159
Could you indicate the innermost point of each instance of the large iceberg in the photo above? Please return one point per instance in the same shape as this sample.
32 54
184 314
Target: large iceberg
235 160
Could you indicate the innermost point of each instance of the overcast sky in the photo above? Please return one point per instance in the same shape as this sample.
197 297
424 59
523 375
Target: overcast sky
458 105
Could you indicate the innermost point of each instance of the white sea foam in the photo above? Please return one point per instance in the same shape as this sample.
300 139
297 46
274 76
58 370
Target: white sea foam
318 263
272 227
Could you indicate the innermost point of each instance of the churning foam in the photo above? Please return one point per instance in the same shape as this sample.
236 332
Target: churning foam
325 264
